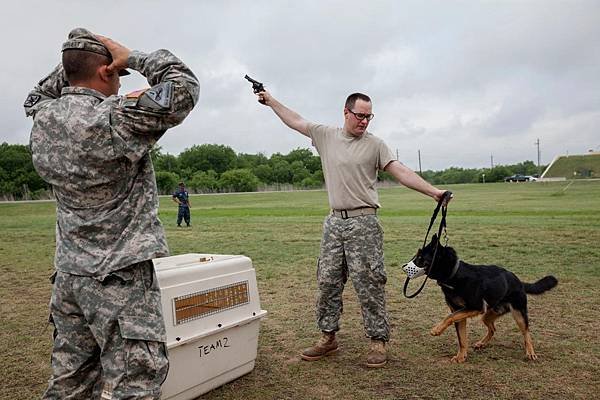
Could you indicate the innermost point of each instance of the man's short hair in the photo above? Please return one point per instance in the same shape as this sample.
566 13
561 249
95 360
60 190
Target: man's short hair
81 65
351 100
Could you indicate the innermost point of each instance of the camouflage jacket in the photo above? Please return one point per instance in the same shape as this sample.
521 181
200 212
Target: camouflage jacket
94 151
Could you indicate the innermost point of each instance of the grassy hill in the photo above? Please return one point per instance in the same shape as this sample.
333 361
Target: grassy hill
578 166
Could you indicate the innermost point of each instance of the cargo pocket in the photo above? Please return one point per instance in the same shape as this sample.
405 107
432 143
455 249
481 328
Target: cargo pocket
146 363
377 268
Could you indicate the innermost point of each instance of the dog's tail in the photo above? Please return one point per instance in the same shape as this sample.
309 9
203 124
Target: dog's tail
544 284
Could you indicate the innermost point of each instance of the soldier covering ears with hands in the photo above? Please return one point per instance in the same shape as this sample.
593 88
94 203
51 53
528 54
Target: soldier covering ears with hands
93 146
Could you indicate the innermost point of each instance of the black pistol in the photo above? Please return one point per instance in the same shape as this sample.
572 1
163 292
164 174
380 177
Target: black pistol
257 87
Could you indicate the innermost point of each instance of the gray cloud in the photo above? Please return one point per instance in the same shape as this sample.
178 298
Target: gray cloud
460 81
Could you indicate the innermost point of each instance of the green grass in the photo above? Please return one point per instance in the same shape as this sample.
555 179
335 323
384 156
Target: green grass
532 229
577 166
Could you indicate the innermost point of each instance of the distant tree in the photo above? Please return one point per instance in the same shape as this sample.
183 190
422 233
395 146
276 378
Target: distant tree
18 178
526 168
204 157
264 172
250 160
298 155
282 172
166 162
204 181
429 176
498 173
385 176
299 172
239 180
310 183
310 162
313 164
458 175
318 176
155 153
205 168
166 181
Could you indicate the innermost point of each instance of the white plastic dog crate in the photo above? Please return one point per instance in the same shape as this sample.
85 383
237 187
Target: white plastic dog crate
212 314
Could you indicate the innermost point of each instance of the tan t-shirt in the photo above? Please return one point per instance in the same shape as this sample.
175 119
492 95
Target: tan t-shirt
350 165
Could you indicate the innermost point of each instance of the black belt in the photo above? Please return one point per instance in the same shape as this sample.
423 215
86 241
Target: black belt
357 212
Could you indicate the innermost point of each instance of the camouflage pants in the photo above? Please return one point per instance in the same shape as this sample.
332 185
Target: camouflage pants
183 213
109 337
354 247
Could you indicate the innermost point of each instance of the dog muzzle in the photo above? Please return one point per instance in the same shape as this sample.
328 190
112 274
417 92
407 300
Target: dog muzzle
413 270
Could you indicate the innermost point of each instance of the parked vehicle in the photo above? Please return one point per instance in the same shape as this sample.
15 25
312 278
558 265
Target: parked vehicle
520 178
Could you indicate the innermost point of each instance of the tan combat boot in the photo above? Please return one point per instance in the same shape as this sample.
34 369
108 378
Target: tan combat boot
326 346
377 356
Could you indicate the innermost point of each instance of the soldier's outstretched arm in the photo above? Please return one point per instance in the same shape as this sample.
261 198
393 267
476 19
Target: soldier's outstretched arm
410 179
289 117
49 88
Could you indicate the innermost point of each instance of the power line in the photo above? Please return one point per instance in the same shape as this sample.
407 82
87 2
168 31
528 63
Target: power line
537 143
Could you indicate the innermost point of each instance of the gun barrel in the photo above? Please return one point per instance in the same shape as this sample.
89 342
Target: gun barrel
252 80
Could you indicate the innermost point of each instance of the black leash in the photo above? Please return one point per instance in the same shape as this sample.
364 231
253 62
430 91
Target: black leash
442 205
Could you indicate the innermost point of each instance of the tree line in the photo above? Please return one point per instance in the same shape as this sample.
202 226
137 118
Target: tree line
214 168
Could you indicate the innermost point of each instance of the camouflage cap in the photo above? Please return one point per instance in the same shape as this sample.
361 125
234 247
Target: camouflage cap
82 39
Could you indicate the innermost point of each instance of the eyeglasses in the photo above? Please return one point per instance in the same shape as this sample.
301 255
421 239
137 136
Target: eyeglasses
361 116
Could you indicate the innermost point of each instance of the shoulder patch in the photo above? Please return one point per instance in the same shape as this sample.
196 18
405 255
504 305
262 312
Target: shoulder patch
157 97
31 100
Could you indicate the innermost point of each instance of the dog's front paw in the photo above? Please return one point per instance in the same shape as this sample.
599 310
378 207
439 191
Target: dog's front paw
532 356
436 330
459 358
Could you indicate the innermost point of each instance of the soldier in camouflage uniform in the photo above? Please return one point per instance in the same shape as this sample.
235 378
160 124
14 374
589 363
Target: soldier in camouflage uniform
352 243
92 146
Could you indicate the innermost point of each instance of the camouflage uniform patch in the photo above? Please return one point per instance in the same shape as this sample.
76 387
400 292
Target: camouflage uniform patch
352 247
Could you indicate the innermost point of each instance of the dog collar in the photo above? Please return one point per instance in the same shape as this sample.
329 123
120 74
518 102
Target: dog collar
454 270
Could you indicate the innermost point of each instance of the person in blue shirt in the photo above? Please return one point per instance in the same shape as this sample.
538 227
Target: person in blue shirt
182 198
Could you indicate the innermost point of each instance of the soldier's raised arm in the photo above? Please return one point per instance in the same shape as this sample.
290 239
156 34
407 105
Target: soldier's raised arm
287 116
173 93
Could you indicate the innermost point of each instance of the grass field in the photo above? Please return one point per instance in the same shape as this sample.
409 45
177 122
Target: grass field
533 229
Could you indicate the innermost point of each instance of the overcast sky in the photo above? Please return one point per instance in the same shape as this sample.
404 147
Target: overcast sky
461 81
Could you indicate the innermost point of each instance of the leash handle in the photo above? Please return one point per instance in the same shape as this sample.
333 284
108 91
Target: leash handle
443 205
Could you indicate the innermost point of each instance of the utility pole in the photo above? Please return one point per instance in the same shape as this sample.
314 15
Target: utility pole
537 143
492 161
420 172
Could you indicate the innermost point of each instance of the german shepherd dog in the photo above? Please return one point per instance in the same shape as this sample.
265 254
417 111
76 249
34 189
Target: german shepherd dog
472 290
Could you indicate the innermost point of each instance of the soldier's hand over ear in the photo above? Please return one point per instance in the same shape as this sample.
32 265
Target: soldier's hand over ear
119 53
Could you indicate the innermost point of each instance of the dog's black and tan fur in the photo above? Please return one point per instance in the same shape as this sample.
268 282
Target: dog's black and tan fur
472 290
